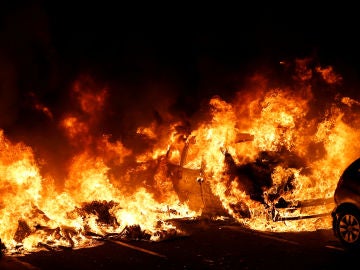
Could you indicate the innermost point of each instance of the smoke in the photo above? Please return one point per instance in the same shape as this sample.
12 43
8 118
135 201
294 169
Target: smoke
27 61
151 75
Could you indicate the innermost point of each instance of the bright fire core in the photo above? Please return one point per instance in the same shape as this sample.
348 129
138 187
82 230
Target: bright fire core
258 159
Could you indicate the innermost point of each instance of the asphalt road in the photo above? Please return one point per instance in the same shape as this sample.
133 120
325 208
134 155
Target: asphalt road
206 245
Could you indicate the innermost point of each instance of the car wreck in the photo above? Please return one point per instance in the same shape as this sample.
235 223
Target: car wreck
255 178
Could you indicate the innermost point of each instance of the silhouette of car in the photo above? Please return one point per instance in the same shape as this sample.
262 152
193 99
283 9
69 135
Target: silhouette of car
346 214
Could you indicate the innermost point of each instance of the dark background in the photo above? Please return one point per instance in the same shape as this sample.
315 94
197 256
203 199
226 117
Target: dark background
177 54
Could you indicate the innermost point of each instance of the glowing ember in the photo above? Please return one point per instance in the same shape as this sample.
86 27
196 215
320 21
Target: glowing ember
264 159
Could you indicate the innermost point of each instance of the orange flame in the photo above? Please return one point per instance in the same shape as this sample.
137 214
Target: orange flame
263 157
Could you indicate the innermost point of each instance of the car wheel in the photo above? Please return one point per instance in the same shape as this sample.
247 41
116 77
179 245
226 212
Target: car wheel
348 228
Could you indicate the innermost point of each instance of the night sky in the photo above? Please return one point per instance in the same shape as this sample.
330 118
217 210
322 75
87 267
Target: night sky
143 53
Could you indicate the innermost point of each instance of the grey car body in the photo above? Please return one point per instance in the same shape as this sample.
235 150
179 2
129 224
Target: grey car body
346 214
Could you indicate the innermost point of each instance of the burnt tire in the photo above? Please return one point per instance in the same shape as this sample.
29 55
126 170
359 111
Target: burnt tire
347 228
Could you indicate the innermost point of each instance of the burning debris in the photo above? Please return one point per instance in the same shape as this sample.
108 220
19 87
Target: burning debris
68 237
101 210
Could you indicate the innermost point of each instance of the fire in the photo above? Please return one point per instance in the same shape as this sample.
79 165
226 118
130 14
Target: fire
264 159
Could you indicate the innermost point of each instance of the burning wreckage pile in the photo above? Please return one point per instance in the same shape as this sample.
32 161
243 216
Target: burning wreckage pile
65 237
268 160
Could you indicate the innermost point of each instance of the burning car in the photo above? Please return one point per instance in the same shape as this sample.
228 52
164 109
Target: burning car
346 214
